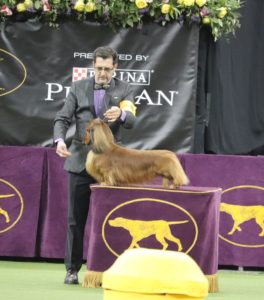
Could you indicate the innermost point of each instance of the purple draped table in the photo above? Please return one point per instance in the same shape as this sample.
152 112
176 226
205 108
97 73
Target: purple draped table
186 219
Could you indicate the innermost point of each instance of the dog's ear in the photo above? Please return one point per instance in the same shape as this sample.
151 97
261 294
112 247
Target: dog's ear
87 137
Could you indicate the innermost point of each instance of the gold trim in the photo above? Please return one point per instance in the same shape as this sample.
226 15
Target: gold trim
213 286
92 279
23 67
153 189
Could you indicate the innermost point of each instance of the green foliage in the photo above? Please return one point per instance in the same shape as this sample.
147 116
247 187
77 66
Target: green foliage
221 15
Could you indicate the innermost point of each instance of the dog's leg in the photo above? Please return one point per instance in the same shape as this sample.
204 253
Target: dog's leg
5 214
134 244
235 227
160 238
260 222
165 182
172 238
178 174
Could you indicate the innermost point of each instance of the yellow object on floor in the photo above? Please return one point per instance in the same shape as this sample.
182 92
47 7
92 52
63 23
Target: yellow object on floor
151 274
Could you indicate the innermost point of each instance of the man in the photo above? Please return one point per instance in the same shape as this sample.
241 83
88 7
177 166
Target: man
101 96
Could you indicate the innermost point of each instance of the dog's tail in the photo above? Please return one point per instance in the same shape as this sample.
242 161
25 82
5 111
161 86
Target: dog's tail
177 222
180 177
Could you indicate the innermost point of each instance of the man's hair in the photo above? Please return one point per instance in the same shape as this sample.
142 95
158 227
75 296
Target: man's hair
105 52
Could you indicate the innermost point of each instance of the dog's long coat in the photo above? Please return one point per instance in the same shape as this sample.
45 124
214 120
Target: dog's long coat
111 164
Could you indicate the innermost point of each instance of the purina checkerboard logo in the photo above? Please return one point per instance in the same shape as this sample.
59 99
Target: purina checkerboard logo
79 74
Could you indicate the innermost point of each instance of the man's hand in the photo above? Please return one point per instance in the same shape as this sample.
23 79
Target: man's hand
62 150
113 114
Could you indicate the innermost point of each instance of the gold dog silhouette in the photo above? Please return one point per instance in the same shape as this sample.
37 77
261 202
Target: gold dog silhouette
140 230
5 214
240 214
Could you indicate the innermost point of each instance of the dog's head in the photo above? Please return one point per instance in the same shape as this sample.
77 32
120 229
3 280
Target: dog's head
90 128
117 222
88 138
99 135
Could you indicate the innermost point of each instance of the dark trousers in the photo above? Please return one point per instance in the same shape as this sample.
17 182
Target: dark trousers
78 206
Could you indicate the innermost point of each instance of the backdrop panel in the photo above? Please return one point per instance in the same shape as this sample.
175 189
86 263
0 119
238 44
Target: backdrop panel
161 64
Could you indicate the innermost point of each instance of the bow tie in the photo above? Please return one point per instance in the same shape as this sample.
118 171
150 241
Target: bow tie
98 86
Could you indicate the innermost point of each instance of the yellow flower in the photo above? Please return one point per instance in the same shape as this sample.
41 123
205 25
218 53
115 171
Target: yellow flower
28 3
79 5
222 12
200 3
188 2
165 8
90 6
141 4
21 7
206 20
180 2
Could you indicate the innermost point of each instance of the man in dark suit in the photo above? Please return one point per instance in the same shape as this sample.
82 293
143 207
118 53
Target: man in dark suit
101 96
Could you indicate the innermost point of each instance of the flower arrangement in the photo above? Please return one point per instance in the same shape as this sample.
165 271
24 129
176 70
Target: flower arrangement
221 15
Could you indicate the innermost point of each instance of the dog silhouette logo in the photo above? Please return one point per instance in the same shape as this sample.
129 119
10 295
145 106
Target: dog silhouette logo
11 206
4 212
13 68
241 214
140 230
242 221
122 231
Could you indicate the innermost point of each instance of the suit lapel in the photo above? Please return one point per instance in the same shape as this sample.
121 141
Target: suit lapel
108 94
90 94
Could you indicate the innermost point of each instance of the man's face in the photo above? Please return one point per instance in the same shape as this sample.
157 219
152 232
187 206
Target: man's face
104 69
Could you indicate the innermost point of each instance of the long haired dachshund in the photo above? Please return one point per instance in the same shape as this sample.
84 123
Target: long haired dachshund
111 164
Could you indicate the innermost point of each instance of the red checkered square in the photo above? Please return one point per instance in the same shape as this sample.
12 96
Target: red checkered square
79 73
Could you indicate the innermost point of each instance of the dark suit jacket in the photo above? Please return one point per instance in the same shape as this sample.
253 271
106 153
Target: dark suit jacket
80 105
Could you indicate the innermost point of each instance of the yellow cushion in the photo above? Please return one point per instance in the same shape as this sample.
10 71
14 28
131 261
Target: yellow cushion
168 274
114 295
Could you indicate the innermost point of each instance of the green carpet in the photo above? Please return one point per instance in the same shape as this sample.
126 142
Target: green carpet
43 281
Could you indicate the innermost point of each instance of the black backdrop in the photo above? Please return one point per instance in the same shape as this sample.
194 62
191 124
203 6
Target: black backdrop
39 62
230 102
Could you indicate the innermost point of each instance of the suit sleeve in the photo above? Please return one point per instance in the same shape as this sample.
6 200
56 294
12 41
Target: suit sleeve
64 117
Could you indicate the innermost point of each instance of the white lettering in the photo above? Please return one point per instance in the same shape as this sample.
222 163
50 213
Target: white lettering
142 78
144 96
55 88
83 55
125 57
67 90
135 77
141 57
161 96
